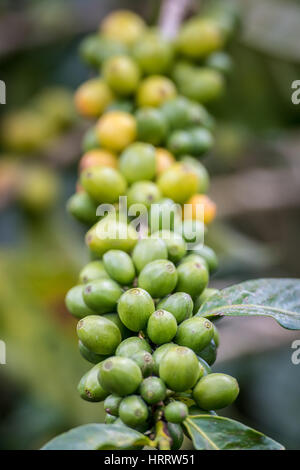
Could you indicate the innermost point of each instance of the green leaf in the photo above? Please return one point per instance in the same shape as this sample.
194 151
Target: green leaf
98 437
276 298
210 432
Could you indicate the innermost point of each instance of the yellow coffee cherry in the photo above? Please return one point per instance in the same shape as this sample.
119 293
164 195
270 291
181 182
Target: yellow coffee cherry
122 74
206 209
98 157
155 90
116 130
178 183
164 159
123 26
199 38
93 97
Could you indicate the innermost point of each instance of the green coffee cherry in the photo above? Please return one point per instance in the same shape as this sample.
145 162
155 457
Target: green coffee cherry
153 54
103 184
75 303
208 292
176 412
98 334
162 327
114 317
203 85
119 266
112 404
102 295
159 278
199 37
209 353
193 258
145 362
180 143
94 49
91 271
164 215
176 433
147 250
192 231
192 278
143 192
108 234
120 375
179 304
158 355
195 333
109 419
201 372
89 387
138 162
216 336
83 208
179 368
176 245
153 390
202 140
131 346
206 369
209 255
90 355
176 112
133 411
216 391
134 308
122 74
151 126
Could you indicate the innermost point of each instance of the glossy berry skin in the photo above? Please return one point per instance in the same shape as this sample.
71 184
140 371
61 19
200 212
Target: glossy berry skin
89 388
151 126
138 162
76 304
119 266
158 355
179 368
116 130
215 391
134 308
131 346
103 184
145 362
178 183
102 295
162 327
83 208
192 278
195 333
159 278
98 334
155 90
209 255
153 390
179 304
110 419
91 271
176 412
145 193
133 411
90 356
176 245
111 404
208 292
147 250
114 317
122 74
120 375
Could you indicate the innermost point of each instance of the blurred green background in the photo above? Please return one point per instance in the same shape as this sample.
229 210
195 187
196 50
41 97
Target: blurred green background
255 172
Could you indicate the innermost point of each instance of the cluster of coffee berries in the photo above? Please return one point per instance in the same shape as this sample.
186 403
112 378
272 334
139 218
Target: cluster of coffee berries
137 299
